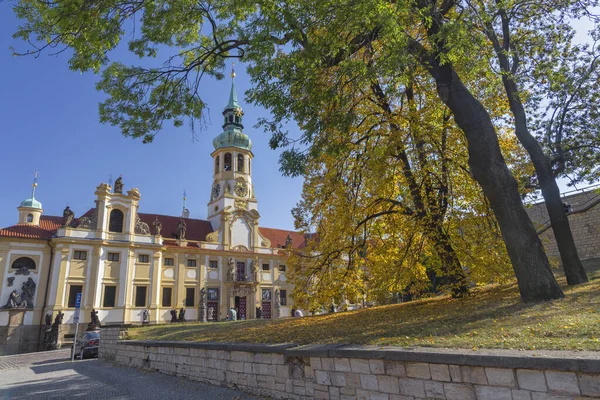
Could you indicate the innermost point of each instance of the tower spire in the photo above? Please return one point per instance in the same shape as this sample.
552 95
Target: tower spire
185 213
233 101
34 185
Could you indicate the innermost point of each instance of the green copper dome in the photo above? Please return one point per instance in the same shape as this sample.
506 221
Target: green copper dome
232 137
31 203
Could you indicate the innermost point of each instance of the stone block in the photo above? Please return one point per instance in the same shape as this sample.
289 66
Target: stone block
474 375
455 374
334 393
493 393
412 387
369 382
439 372
337 379
521 394
315 363
301 391
278 359
283 371
418 370
377 367
563 382
530 379
360 365
267 369
362 394
501 377
400 397
352 380
347 391
322 378
434 390
327 364
395 368
388 384
379 396
548 396
590 384
321 395
456 391
309 373
342 364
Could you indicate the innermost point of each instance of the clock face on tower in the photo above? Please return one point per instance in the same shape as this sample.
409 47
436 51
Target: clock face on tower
216 190
241 188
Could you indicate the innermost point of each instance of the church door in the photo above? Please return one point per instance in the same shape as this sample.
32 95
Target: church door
240 305
266 309
241 271
212 311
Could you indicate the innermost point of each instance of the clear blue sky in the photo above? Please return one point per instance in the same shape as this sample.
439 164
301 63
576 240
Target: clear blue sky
49 122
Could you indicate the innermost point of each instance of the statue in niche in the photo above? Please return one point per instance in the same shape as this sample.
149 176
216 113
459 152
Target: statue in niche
28 290
119 184
68 216
157 226
231 269
13 300
48 319
10 280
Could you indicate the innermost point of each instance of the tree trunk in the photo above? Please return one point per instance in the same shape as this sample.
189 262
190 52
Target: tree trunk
572 265
535 279
451 267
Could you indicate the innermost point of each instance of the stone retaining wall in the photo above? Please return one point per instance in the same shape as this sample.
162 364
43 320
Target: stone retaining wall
345 372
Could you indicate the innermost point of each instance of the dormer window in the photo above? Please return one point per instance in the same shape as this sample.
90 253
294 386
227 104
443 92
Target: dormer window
30 218
116 221
240 163
227 163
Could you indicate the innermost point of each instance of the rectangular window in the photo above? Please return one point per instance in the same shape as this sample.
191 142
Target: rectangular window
110 295
80 255
213 294
191 263
189 296
283 297
169 261
266 267
113 256
140 296
282 268
167 293
213 264
143 258
73 291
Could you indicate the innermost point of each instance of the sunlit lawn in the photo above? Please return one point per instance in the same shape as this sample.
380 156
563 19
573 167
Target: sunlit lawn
492 317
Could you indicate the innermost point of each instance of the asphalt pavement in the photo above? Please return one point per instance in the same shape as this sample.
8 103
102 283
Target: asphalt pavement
51 375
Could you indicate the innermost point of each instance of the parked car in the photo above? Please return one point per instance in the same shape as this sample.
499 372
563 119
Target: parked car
87 345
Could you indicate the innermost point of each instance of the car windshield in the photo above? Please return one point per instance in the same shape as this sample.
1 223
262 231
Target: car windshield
93 335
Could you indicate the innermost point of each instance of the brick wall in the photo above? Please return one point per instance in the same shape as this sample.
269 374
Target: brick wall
344 372
584 221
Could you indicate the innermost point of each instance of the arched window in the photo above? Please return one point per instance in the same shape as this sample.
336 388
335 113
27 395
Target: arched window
23 262
227 163
240 163
115 223
231 118
237 120
29 217
216 164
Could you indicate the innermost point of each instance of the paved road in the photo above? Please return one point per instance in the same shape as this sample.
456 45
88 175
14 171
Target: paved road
51 375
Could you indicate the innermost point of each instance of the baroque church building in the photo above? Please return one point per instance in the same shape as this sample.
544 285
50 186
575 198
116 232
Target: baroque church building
124 262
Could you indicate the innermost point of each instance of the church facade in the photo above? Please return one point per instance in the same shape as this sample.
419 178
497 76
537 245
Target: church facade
124 262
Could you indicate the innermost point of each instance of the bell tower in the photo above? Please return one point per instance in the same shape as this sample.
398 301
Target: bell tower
232 187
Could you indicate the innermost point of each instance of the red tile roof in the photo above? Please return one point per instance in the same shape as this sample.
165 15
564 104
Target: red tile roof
196 230
47 228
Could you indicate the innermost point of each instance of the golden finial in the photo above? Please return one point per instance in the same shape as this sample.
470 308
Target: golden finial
232 70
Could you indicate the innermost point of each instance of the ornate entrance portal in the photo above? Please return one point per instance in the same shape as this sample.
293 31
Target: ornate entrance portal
240 306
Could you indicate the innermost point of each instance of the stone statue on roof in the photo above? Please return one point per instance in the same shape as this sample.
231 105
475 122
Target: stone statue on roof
288 241
119 185
68 216
181 227
157 226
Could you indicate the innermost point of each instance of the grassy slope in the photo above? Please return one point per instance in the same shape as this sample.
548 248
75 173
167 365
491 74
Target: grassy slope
492 317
